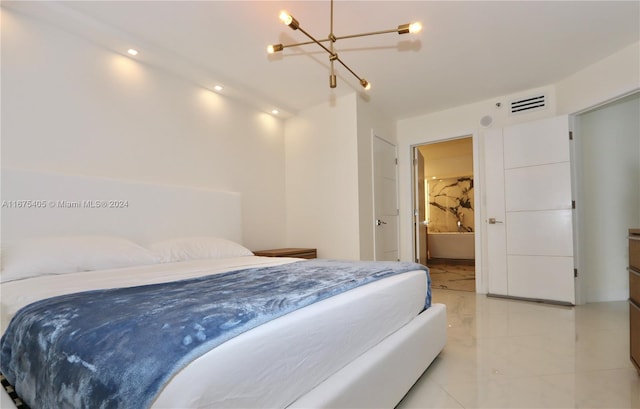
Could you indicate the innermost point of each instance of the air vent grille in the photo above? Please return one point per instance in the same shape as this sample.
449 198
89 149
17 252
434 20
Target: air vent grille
529 104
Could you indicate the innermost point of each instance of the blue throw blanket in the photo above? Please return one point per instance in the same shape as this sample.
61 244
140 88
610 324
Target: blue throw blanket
117 348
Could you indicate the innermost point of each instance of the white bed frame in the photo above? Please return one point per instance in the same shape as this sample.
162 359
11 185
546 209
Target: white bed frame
152 213
378 378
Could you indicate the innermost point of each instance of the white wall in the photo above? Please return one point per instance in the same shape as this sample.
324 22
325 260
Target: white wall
608 79
73 107
329 177
608 140
450 124
322 179
100 113
616 75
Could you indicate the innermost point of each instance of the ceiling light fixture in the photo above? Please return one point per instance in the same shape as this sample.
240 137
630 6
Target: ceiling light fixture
131 51
290 21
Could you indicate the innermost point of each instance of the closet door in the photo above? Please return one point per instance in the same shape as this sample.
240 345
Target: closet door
385 203
537 230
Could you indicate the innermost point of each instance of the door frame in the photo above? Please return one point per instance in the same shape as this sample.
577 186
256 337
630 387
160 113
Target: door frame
577 181
419 209
478 212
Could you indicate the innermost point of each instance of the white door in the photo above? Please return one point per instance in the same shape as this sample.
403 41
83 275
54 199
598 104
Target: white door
495 208
529 211
385 200
420 212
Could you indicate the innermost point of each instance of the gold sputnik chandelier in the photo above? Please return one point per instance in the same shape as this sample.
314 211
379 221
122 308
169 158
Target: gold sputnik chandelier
290 21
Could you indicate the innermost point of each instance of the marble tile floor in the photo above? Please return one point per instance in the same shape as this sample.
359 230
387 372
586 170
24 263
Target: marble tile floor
453 277
515 354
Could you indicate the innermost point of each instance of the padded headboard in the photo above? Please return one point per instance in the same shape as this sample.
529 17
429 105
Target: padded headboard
50 204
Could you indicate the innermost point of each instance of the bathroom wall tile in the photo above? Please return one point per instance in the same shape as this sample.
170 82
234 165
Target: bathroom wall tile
451 200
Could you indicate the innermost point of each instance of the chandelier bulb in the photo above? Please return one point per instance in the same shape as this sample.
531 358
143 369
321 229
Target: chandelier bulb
365 84
415 27
285 17
289 20
409 28
274 48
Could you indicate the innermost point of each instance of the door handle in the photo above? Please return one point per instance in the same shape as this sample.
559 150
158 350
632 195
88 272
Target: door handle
380 222
492 220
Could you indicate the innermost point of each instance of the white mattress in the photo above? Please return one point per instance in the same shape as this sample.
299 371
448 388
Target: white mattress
17 294
269 366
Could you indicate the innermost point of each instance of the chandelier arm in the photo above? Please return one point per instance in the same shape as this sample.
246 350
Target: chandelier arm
341 38
331 21
394 30
348 69
332 72
305 43
332 76
316 41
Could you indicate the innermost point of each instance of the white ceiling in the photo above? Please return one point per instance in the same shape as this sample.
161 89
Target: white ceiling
467 51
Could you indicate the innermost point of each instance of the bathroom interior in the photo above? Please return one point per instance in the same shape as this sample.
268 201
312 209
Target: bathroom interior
449 219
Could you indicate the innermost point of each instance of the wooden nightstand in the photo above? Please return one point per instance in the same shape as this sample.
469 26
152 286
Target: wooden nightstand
288 252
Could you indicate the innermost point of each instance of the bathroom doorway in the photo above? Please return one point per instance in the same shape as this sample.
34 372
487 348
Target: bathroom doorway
444 233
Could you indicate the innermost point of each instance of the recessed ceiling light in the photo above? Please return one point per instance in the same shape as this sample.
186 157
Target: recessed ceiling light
131 51
275 111
218 88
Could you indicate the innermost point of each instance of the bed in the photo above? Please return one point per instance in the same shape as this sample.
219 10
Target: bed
329 353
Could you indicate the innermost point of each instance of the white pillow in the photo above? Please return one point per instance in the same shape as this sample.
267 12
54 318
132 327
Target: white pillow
192 248
69 254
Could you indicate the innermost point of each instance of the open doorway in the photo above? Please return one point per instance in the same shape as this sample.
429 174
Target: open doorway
444 234
607 161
